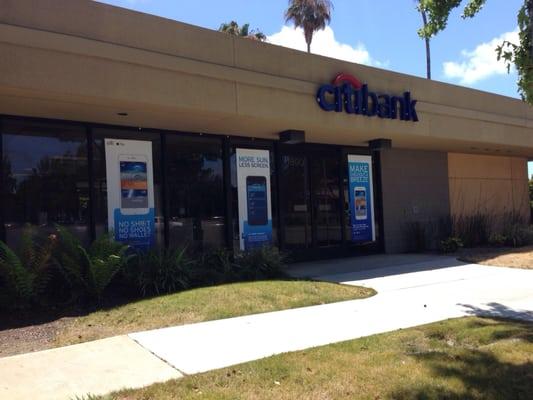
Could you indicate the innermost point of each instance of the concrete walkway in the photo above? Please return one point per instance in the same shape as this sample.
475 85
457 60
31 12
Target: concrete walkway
412 291
97 367
441 288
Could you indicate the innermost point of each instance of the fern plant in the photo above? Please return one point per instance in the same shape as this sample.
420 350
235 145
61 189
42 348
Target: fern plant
213 267
25 273
162 271
261 263
90 271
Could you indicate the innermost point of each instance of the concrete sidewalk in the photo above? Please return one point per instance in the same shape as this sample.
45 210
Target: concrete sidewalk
409 294
97 367
433 293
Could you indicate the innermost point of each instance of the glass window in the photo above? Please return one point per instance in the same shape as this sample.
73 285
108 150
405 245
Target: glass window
195 191
100 179
45 177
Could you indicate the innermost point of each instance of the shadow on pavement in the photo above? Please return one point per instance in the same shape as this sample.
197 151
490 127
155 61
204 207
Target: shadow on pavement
497 310
369 267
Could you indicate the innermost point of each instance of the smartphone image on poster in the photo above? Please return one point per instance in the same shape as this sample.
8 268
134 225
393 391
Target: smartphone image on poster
256 199
360 203
133 184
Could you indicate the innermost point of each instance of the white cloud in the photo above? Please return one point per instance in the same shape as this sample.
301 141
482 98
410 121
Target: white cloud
324 43
480 63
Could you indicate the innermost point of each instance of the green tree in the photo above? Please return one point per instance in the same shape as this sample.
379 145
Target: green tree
518 54
233 28
310 15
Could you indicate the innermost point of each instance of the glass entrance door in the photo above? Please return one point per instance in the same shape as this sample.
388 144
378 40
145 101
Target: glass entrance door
309 197
294 196
326 208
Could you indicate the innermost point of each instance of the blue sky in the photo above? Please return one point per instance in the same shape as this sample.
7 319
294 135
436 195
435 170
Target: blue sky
380 33
385 29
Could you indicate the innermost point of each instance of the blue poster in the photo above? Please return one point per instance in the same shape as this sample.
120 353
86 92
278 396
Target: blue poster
361 198
253 182
137 230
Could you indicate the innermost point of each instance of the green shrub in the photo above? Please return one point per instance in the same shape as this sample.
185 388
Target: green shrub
25 274
262 263
90 271
221 266
213 267
518 235
451 245
162 271
473 230
498 240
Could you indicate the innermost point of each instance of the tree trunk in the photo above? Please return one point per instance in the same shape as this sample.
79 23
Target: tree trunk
530 14
308 35
428 53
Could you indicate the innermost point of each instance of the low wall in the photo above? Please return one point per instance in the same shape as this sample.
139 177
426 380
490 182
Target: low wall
415 190
492 185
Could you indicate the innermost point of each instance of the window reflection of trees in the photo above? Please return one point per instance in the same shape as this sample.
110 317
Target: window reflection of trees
45 180
196 195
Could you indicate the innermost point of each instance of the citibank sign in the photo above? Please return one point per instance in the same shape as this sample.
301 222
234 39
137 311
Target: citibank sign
347 93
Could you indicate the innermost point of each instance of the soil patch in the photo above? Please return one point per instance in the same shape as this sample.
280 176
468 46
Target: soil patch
31 338
504 257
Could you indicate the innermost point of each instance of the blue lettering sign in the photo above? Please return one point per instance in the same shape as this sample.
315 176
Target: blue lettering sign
349 95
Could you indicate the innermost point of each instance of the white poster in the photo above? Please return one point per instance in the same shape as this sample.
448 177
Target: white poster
253 183
130 191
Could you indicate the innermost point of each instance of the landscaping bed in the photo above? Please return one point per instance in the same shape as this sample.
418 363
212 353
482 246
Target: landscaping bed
190 306
466 358
499 257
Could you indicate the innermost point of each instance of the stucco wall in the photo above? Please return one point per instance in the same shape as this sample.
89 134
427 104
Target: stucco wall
493 185
415 189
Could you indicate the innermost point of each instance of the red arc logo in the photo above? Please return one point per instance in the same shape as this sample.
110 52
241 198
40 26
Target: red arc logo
352 80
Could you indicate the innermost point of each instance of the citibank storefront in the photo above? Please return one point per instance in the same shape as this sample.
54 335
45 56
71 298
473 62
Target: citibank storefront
158 187
209 140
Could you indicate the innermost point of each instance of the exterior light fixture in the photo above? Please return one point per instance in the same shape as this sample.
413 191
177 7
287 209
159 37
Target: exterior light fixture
292 137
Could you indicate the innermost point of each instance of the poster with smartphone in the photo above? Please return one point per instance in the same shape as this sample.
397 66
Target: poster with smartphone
130 191
253 183
361 198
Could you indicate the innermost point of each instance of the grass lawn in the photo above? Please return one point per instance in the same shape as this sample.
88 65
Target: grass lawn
186 307
521 257
466 358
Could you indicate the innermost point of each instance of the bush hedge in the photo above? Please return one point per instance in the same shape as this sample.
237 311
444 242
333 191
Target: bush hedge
448 234
58 271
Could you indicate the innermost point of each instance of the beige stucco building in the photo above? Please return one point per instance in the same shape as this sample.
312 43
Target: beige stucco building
73 72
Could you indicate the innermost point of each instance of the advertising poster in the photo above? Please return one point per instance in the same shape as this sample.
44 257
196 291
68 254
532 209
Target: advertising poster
361 198
130 191
253 183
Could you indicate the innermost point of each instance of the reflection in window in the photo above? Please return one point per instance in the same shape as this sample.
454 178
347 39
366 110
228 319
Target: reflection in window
195 191
45 178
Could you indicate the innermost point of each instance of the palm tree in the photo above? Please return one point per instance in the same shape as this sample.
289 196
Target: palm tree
234 29
310 15
426 38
